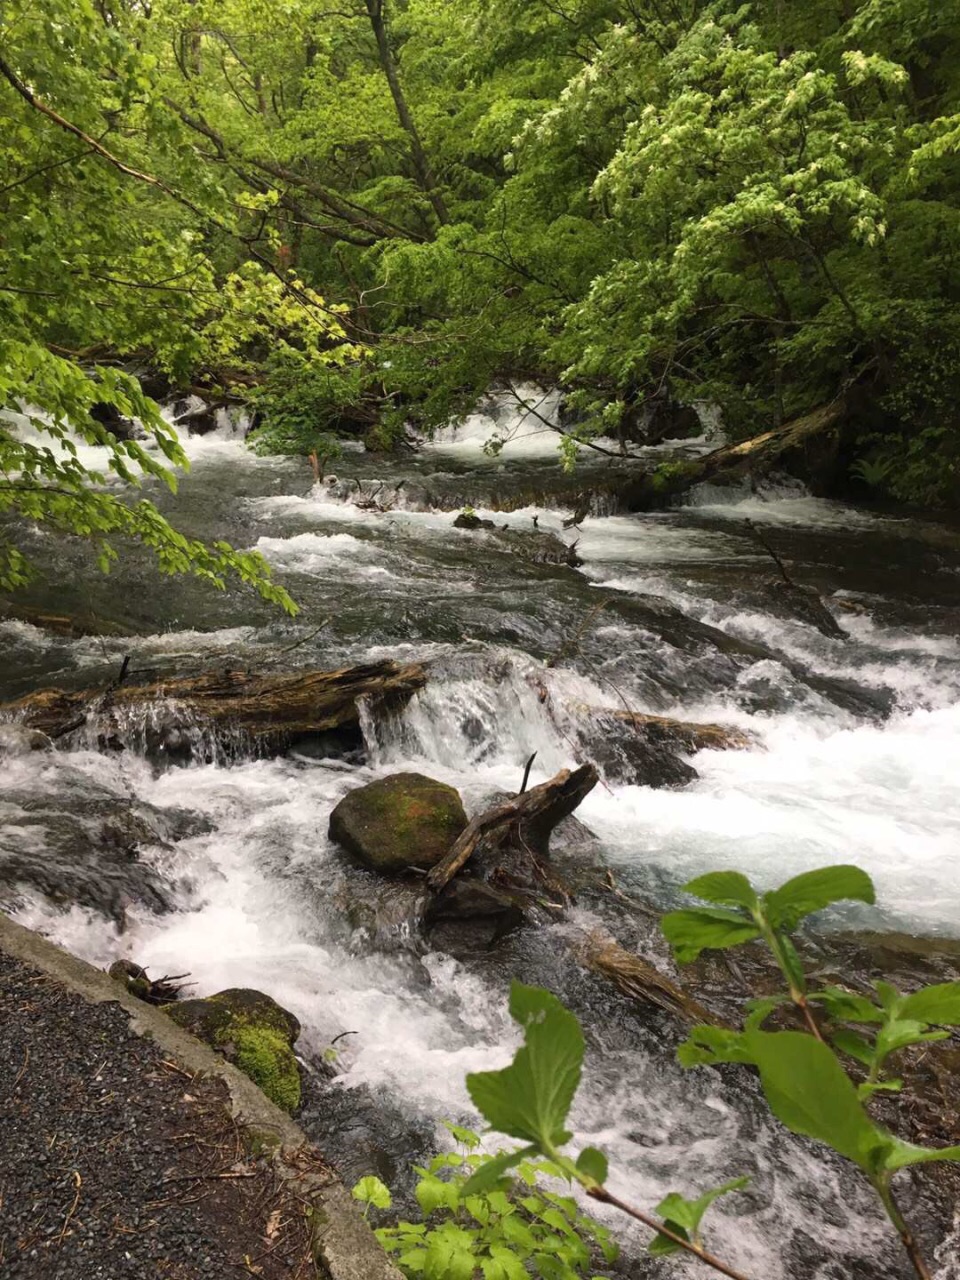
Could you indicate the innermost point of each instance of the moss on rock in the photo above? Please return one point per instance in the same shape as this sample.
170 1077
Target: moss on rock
268 1060
405 820
253 1030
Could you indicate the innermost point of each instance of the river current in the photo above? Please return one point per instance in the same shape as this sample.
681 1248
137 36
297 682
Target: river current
856 744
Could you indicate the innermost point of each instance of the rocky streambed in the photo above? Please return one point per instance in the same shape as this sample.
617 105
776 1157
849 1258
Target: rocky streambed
726 724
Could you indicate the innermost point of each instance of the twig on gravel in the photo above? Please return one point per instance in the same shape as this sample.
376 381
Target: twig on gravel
22 1071
203 1177
78 1182
172 1066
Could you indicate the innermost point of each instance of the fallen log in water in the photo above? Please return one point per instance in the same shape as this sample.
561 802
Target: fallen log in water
267 711
634 977
524 822
683 735
654 489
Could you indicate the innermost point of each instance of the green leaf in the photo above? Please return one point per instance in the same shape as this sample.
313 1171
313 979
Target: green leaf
809 1091
938 1005
898 1033
489 1173
814 890
855 1046
866 1090
900 1154
513 1268
683 1216
530 1098
705 929
760 1009
433 1193
466 1137
724 886
706 1046
593 1164
844 1006
371 1190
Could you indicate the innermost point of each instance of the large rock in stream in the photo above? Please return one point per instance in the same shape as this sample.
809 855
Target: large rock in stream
403 821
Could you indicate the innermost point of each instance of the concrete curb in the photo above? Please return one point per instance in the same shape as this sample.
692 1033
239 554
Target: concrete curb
346 1248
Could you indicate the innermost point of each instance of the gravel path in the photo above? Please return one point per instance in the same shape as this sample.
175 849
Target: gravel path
116 1162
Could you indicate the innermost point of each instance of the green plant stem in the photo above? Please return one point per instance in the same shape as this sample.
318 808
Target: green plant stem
885 1192
605 1197
797 995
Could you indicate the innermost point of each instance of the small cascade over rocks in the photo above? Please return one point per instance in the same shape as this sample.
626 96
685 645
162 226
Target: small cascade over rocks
727 731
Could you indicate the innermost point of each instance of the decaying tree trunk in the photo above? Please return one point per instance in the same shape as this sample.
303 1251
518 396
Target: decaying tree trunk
658 488
637 979
267 710
524 821
677 735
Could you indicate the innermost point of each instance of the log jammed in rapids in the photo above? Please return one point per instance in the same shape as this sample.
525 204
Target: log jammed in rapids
524 821
269 709
651 490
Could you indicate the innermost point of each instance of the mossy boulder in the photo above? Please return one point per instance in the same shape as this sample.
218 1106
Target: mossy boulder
252 1030
405 820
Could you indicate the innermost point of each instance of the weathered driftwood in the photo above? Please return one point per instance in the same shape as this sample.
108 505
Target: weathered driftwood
683 735
637 979
658 488
526 820
269 709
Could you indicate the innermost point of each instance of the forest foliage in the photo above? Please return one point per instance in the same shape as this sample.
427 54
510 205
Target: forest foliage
361 213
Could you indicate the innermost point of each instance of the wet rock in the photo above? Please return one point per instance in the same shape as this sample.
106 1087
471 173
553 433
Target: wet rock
403 821
195 415
17 739
804 604
132 976
467 898
252 1030
109 416
651 421
539 547
629 752
208 1017
467 520
80 843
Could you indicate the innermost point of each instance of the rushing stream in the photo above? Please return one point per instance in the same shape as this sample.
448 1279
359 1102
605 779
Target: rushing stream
856 746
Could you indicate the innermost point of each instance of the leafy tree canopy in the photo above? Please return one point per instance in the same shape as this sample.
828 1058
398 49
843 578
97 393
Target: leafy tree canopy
374 208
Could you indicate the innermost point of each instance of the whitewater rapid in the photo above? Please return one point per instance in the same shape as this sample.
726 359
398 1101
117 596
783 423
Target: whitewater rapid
264 899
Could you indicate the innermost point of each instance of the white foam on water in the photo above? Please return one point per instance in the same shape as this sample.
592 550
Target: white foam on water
882 798
266 901
522 430
256 911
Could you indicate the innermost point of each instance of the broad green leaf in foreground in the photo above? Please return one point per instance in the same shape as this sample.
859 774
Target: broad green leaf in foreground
706 929
814 890
809 1091
531 1097
938 1005
728 887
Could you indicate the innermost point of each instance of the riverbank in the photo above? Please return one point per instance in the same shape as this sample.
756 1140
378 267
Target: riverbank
128 1148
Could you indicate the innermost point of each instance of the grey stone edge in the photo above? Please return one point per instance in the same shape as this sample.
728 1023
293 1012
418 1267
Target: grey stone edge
345 1248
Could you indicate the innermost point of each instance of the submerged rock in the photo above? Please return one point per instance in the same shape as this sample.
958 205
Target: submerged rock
403 821
252 1030
539 547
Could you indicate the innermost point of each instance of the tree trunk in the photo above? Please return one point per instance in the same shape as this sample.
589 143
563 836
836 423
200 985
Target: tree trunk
260 712
654 489
421 163
525 820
